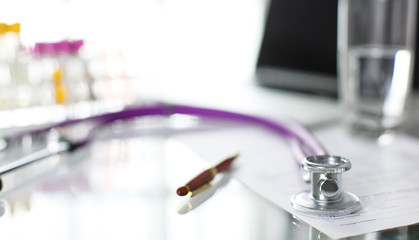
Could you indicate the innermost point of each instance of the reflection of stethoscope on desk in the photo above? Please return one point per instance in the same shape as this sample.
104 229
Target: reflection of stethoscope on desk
325 197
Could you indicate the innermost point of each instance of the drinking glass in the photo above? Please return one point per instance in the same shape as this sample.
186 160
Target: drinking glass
376 45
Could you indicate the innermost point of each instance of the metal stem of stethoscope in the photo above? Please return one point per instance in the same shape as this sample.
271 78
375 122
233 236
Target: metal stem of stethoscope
35 156
325 197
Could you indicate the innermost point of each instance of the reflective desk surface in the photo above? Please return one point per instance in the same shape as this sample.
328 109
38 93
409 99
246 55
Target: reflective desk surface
123 185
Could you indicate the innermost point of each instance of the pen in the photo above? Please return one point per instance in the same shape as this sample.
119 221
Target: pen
206 176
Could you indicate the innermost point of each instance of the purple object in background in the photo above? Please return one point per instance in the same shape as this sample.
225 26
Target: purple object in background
56 48
302 143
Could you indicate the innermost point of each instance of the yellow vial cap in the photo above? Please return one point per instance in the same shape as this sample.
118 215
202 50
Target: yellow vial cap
5 28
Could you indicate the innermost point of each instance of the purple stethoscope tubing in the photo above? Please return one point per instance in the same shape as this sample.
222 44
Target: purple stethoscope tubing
298 136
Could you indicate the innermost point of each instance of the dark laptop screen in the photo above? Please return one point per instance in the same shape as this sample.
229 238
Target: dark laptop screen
301 35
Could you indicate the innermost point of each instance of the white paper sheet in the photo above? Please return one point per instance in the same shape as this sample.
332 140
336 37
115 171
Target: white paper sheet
386 178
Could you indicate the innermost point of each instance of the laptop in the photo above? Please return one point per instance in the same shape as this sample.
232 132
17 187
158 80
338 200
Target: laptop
299 47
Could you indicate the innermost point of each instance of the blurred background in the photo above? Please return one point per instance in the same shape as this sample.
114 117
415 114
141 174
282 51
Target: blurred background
71 58
76 57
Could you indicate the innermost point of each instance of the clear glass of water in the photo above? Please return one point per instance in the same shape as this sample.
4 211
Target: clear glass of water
376 44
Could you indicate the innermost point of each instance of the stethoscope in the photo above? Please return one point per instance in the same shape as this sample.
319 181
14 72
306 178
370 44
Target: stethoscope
325 198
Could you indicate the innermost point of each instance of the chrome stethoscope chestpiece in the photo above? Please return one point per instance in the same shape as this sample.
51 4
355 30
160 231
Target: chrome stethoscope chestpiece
326 197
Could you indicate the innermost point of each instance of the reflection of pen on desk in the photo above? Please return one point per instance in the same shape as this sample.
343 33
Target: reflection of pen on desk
206 176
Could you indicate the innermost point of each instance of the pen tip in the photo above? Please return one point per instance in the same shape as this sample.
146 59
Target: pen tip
224 165
182 191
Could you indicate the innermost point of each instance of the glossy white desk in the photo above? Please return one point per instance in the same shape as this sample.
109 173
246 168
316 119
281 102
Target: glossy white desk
123 185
